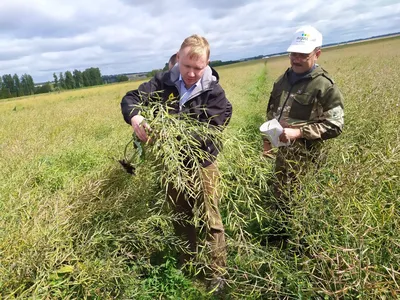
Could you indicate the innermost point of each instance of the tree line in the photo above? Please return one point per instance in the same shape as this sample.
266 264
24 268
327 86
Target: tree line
115 78
15 86
77 79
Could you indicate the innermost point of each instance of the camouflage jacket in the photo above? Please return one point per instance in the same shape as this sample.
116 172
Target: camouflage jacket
314 104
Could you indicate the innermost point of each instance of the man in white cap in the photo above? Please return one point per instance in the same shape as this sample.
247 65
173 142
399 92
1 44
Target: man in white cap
309 106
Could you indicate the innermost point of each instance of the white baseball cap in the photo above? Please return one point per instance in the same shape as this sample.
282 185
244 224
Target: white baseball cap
305 40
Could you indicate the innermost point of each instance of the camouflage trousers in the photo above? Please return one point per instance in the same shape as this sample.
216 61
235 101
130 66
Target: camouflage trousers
291 164
207 202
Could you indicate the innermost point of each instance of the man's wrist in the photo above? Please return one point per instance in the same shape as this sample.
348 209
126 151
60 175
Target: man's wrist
300 133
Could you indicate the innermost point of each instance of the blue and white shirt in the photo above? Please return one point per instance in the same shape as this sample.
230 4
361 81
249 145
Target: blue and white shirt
184 92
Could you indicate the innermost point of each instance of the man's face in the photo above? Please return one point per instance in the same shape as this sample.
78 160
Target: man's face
303 62
191 68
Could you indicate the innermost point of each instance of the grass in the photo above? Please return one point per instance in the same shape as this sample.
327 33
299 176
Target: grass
73 224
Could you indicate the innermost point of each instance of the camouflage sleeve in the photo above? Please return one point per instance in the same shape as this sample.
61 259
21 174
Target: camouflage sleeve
270 114
270 107
332 120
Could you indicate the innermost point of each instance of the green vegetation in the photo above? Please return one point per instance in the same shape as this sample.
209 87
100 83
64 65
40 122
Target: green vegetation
74 225
14 86
152 73
77 79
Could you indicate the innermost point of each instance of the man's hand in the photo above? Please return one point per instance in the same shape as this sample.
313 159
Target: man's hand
290 135
267 149
284 123
140 127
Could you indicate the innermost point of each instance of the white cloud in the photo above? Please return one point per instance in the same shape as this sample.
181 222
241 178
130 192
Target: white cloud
121 36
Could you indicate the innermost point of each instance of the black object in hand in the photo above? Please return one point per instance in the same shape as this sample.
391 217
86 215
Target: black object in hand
129 168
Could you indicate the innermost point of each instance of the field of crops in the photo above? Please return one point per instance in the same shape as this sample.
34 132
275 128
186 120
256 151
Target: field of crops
74 225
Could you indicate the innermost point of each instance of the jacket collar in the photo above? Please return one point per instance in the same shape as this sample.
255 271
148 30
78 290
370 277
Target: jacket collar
209 78
317 71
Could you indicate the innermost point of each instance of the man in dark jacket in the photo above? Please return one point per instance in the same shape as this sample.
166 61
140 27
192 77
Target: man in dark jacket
200 96
172 61
309 106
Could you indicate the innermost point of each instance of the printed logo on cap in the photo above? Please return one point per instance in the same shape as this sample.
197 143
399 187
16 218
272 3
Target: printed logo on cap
305 37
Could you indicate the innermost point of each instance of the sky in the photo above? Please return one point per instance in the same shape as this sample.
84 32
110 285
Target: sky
40 37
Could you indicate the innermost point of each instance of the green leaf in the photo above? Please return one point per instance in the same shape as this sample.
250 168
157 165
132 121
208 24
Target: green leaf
65 269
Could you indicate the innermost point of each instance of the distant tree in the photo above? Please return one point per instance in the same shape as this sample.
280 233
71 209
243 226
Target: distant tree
17 91
86 78
31 84
166 67
56 84
95 76
154 72
121 78
78 78
92 76
69 81
45 88
27 84
24 85
217 63
3 89
99 79
8 83
61 81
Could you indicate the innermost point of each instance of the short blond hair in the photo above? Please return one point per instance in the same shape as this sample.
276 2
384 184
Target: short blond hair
197 44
